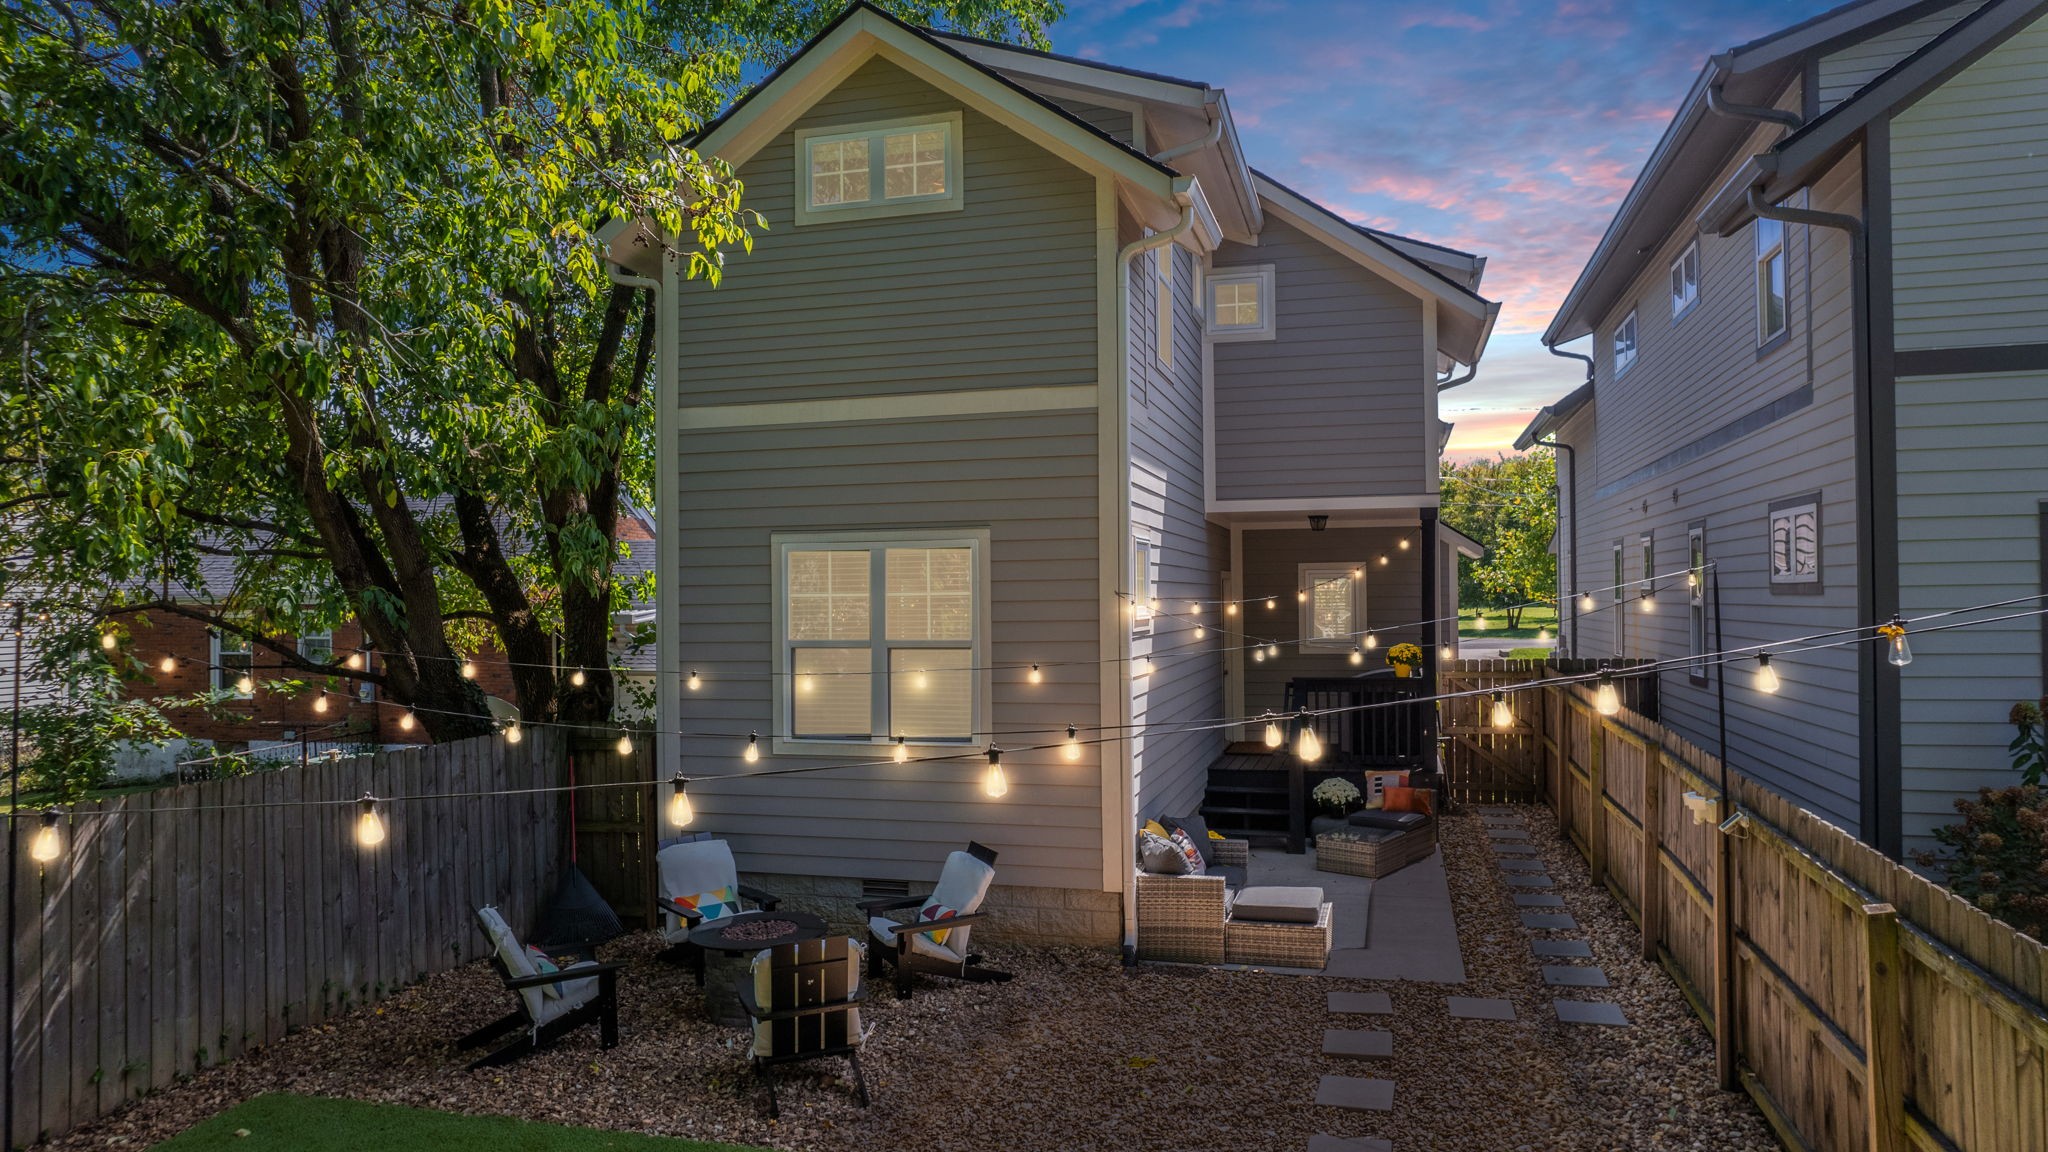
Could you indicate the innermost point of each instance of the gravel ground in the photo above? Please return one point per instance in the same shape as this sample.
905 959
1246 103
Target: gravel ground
1075 1053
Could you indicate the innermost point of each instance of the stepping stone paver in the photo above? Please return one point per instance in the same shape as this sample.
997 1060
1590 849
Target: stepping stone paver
1356 1094
1548 920
1538 900
1358 1044
1508 833
1530 881
1561 948
1362 1003
1479 1008
1321 1143
1512 864
1496 810
1573 976
1589 1012
1511 848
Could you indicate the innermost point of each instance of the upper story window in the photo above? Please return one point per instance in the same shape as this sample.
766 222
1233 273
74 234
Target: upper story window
317 647
1770 280
881 638
1333 612
891 168
234 661
1241 303
1685 280
1625 343
1144 585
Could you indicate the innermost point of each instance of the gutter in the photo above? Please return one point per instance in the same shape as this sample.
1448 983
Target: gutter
1572 475
1720 104
1214 134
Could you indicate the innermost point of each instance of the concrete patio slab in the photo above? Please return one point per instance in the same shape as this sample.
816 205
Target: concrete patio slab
1548 920
1530 882
1358 1043
1355 1093
1321 1143
1514 864
1589 1012
1362 1003
1573 976
1479 1008
1538 900
1561 948
1412 934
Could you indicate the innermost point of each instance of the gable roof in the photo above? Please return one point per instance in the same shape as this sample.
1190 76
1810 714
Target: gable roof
1552 417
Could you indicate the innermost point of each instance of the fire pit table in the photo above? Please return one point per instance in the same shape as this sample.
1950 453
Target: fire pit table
729 945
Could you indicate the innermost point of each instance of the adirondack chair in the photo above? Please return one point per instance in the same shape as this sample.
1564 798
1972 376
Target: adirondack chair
699 883
805 1002
935 942
552 1001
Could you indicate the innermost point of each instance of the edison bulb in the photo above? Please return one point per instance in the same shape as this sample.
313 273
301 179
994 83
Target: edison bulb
1371 641
245 686
1766 676
902 753
693 681
1503 716
1230 609
1309 747
1606 700
1201 633
355 661
1072 749
625 744
753 752
167 665
369 826
49 843
108 640
320 702
1274 737
995 782
512 733
1585 601
1357 655
1035 676
1272 603
576 678
406 721
679 811
468 669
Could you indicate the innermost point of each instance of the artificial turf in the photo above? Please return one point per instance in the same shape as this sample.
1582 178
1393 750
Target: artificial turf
279 1122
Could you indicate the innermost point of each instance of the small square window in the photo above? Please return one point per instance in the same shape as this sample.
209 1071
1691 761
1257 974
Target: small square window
1795 544
891 168
1241 304
1625 343
1685 280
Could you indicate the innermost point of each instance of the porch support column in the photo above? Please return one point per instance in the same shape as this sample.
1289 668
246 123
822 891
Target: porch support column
1432 579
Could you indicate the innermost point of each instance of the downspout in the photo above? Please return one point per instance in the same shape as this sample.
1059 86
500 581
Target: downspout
1716 103
1127 816
1572 508
1447 382
1214 134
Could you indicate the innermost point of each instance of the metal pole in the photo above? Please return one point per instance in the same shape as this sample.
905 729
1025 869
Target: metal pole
13 879
1724 879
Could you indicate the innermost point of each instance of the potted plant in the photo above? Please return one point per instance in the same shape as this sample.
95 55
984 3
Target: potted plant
1404 659
1337 796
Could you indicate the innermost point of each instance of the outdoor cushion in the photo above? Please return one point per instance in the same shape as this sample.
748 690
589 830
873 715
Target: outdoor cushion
962 884
542 965
1160 856
1398 821
567 995
1233 875
1186 845
1278 905
689 872
884 929
1197 830
512 955
1157 829
1408 800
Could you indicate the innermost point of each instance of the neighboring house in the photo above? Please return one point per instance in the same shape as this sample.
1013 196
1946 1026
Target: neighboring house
1026 348
1838 448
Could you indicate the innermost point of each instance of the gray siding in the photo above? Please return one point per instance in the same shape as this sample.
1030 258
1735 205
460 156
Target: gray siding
1114 121
1167 503
1845 72
999 294
1393 595
1972 475
1691 377
1030 480
1333 406
1969 166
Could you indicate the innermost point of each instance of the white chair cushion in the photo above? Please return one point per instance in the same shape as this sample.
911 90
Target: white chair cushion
962 885
763 970
691 870
513 955
575 994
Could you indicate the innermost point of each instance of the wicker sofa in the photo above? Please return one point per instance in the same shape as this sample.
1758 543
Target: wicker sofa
1181 918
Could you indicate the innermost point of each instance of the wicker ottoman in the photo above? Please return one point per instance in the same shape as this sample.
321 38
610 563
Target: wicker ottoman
1278 945
1373 852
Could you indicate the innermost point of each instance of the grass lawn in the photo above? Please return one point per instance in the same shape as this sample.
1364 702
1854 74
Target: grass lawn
1496 628
279 1122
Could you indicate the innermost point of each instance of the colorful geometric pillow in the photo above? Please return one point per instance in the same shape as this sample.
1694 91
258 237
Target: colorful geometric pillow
1186 845
932 912
542 965
716 904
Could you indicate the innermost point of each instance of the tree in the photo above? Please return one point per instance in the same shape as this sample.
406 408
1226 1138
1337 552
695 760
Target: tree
314 285
1508 504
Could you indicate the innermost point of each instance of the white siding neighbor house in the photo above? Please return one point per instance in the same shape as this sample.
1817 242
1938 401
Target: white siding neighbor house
1028 375
1819 373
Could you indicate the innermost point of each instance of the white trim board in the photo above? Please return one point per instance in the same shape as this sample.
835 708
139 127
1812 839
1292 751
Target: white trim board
902 406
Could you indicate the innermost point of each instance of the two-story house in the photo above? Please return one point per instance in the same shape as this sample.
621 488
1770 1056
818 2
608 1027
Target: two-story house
1819 379
1035 421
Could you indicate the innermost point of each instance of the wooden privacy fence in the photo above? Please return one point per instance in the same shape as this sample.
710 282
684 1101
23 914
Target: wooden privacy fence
1861 1006
185 926
616 834
1483 762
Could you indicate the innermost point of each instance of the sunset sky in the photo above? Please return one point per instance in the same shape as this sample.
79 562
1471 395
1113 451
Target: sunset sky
1509 128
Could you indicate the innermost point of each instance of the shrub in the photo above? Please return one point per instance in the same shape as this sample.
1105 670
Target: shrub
2029 757
1335 795
1997 858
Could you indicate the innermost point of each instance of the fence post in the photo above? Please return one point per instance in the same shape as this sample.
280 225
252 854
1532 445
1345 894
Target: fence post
1596 798
1650 893
1884 1033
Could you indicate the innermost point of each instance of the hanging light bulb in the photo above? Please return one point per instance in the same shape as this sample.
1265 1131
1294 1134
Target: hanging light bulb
902 753
625 743
1383 560
1201 633
1309 747
1258 655
355 661
1072 749
1358 573
679 812
369 826
1404 544
1371 641
1443 652
1585 601
1606 700
1692 579
994 782
1143 666
1274 737
1503 716
1194 608
49 842
1543 633
320 701
693 681
1479 623
1273 650
245 684
1302 596
469 668
406 722
1357 654
803 684
1902 652
1230 609
920 681
753 752
1766 676
576 678
108 641
1035 676
1272 603
512 733
1648 602
167 665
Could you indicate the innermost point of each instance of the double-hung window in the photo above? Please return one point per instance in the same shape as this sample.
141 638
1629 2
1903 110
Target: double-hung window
1144 585
1240 305
1620 612
1795 544
1625 343
1685 280
233 659
1696 600
317 647
881 636
1333 612
889 168
1770 280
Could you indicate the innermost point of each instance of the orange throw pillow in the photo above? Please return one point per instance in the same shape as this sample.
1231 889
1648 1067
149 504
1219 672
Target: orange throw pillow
1408 800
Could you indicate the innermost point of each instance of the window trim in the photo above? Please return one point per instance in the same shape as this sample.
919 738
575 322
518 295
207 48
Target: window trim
781 718
1304 580
1165 322
218 670
877 205
1144 582
1635 343
1697 669
1682 307
1619 609
1781 251
1791 585
1260 274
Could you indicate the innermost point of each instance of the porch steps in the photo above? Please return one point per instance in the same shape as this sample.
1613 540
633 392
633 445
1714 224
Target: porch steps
1247 803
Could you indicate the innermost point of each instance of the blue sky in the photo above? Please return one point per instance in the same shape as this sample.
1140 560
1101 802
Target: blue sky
1510 128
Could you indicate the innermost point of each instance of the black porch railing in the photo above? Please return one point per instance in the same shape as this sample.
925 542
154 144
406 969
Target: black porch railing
1364 723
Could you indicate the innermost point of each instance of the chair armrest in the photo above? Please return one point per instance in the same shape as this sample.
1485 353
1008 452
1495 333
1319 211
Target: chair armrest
664 904
579 972
767 900
940 925
889 903
754 1009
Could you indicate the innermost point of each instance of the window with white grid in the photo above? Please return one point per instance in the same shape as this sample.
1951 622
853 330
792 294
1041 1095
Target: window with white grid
888 168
